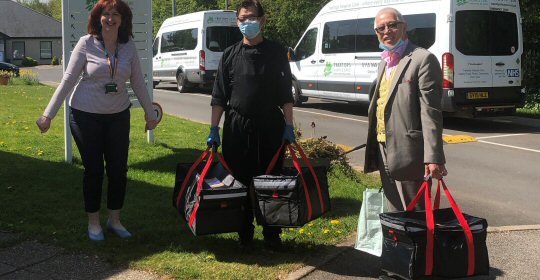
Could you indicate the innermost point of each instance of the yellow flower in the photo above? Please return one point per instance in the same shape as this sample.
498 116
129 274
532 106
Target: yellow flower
210 258
326 231
40 153
335 222
339 231
310 224
301 231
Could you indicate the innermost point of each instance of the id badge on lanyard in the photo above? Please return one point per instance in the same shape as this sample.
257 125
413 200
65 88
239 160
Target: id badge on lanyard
112 87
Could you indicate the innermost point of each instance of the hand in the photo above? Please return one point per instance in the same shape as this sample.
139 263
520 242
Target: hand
150 125
213 138
43 123
437 171
288 134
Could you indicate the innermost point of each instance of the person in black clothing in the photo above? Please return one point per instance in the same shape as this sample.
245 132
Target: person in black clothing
253 88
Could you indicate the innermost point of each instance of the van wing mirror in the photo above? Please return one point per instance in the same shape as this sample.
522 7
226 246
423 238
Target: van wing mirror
291 54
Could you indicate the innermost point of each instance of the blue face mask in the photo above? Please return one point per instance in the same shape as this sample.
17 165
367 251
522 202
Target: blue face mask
386 48
250 28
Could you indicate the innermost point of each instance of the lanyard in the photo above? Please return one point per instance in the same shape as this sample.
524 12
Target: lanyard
112 66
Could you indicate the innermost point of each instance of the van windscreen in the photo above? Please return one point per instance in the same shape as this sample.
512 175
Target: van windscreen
218 38
179 40
486 33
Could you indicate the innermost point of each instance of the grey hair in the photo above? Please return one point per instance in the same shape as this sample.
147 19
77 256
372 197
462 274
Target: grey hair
399 16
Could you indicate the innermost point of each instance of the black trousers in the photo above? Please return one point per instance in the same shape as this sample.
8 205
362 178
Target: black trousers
102 138
249 144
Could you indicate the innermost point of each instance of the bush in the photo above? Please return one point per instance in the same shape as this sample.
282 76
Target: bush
321 148
55 61
28 77
28 61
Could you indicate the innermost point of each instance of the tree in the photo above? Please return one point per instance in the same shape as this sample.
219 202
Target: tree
53 8
531 56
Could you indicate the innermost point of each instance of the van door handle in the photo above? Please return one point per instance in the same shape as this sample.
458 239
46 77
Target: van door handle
499 64
321 61
313 62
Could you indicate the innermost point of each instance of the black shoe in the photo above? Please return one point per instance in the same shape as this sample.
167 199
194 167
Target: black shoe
246 247
274 244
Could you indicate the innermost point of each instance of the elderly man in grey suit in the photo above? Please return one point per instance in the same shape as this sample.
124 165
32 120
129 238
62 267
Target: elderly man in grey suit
405 120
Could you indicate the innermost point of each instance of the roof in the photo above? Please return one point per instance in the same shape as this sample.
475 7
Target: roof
18 21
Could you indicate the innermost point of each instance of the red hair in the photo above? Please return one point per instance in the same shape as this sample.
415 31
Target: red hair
94 20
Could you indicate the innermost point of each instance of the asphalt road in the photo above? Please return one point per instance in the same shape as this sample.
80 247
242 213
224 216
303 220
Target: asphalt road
497 177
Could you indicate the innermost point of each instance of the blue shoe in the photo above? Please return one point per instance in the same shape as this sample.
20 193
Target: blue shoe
96 236
120 232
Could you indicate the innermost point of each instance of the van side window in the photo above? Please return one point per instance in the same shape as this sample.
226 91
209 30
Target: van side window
340 36
421 29
366 39
218 38
180 40
306 47
486 33
155 47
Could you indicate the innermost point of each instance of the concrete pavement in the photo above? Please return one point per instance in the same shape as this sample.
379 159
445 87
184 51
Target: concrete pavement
29 260
513 254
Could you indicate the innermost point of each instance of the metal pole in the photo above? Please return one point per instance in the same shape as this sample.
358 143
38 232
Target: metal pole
226 4
173 8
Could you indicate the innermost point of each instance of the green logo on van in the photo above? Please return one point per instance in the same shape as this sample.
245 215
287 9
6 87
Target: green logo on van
210 20
461 2
328 69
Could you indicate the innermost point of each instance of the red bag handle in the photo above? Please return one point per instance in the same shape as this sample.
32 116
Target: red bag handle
274 160
306 191
431 224
299 169
188 175
201 179
466 229
199 187
310 166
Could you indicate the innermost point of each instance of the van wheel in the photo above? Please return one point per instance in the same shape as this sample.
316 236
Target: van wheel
298 99
154 84
182 83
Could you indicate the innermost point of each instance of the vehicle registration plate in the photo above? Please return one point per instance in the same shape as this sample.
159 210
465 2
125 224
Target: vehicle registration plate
477 95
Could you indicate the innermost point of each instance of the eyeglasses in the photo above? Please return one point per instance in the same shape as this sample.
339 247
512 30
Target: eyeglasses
247 18
391 26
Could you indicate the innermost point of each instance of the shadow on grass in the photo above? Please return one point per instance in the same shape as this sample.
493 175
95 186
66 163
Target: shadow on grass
43 200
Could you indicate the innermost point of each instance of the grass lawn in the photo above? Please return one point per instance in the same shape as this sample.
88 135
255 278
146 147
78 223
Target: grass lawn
41 197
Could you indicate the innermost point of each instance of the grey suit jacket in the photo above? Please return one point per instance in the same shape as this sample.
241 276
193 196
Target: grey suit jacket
413 117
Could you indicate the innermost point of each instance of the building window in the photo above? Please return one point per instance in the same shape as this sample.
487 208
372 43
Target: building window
45 49
18 50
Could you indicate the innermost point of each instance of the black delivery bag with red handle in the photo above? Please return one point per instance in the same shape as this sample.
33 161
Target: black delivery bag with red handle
208 197
294 197
439 242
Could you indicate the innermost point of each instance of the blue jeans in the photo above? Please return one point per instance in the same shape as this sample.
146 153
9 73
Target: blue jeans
102 138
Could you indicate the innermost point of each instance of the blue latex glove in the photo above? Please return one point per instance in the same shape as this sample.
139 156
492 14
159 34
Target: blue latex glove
213 138
288 134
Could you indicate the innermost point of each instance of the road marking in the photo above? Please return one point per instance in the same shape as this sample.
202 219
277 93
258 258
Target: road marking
505 135
331 116
455 139
513 228
509 146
